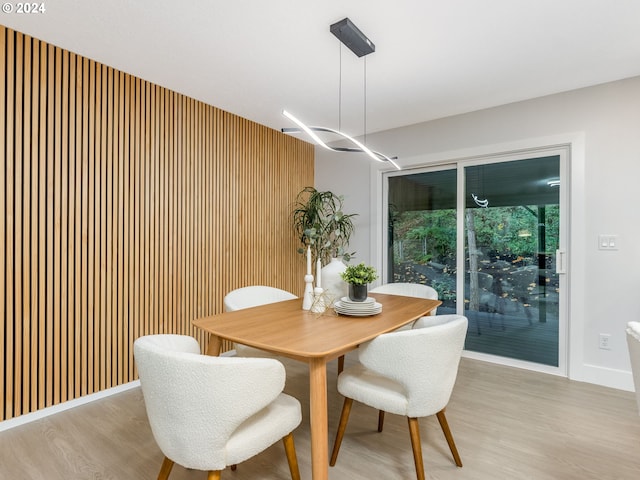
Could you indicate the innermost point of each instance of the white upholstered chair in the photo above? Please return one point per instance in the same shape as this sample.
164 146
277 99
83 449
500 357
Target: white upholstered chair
409 373
633 341
417 290
207 413
252 296
408 290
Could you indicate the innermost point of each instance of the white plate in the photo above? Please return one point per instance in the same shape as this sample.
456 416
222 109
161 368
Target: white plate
358 312
348 301
360 307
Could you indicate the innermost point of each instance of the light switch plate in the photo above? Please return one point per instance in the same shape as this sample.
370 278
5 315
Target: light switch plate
608 242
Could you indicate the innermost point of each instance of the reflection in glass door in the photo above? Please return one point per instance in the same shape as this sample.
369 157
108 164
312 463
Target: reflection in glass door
506 216
511 288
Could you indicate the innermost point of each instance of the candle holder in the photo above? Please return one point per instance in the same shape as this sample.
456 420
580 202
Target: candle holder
307 299
318 305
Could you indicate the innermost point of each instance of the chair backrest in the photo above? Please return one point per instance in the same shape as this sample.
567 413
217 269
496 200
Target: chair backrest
423 360
409 290
195 402
633 341
254 295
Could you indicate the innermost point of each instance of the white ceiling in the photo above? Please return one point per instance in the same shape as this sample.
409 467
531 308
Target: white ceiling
433 58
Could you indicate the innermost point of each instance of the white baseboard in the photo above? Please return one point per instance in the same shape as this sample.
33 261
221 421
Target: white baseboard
61 407
607 377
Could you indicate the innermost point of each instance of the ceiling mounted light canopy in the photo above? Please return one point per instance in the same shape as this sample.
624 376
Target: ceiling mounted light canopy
352 37
360 45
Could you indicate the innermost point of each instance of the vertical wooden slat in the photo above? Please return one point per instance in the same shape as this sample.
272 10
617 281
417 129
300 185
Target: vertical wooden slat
137 220
89 341
36 320
27 318
54 157
161 253
117 345
179 188
11 223
131 257
174 211
129 149
152 212
66 245
144 212
120 350
5 317
40 99
101 252
80 327
190 218
70 360
18 232
147 176
188 212
50 212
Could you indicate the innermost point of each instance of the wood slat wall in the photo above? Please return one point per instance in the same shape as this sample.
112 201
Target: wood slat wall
126 209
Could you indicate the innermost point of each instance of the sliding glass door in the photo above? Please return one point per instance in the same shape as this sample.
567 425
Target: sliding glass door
485 234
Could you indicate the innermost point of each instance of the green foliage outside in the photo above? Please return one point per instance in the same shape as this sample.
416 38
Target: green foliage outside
428 238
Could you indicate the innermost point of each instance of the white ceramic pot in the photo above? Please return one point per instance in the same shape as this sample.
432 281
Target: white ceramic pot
332 282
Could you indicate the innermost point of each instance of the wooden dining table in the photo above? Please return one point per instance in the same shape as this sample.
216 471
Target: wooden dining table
285 329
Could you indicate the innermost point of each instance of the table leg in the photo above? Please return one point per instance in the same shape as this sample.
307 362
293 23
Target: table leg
215 344
318 418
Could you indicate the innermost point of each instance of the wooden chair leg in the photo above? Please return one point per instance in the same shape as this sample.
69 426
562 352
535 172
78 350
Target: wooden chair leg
447 434
340 364
414 431
380 420
214 475
344 418
165 469
290 450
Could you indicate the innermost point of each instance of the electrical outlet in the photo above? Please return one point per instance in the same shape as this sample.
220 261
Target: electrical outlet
605 341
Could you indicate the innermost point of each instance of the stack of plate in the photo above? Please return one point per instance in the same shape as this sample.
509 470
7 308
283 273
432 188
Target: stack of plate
345 306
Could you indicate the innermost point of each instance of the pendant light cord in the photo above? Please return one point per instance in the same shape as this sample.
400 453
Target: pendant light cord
365 100
340 89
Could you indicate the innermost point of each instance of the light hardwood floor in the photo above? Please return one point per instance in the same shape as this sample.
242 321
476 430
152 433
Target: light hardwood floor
508 424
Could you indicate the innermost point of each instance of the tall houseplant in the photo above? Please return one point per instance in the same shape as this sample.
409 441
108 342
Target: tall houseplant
320 223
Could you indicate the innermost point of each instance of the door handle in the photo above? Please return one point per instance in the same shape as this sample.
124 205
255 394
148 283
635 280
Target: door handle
561 261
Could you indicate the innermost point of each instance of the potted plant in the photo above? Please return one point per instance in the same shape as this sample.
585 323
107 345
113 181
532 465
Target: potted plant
319 222
358 277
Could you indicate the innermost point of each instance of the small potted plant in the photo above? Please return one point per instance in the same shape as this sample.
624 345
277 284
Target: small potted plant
358 277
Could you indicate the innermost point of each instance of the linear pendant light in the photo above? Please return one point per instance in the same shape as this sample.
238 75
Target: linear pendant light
359 44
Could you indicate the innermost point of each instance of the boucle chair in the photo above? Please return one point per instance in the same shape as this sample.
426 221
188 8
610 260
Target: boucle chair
633 340
207 413
252 296
409 373
408 290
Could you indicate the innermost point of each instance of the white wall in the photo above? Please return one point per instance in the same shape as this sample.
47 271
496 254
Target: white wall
604 121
